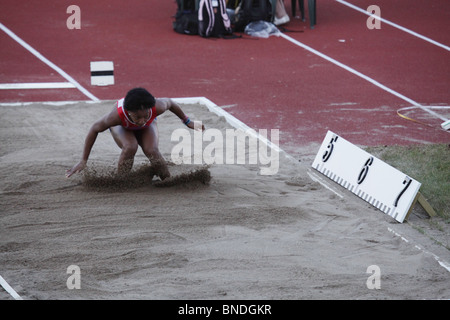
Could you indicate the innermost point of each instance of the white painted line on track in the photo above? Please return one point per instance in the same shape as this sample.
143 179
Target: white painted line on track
444 264
363 76
36 85
49 103
9 289
48 62
318 179
395 25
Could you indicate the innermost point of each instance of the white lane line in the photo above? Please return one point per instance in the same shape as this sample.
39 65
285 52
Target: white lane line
49 103
441 262
395 25
36 85
363 76
318 179
9 289
48 62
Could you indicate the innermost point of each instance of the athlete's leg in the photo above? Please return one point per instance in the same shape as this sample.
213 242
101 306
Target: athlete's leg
148 139
127 141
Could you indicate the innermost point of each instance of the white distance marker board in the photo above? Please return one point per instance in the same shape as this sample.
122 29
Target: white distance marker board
368 177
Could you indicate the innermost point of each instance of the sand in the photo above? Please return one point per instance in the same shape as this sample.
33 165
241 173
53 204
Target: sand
228 233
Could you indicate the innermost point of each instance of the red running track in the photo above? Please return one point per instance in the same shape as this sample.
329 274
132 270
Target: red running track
266 83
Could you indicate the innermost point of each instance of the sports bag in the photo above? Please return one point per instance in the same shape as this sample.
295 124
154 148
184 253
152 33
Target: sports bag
213 20
253 10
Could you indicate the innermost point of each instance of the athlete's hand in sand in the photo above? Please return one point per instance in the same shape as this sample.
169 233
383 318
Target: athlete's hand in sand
76 168
196 125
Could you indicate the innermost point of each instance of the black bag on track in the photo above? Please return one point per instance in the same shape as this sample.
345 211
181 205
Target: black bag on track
252 10
186 17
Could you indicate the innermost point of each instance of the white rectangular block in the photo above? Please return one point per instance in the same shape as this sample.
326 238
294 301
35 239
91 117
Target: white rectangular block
102 73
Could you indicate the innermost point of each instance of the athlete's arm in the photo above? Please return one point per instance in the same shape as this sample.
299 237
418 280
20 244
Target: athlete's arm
109 120
164 104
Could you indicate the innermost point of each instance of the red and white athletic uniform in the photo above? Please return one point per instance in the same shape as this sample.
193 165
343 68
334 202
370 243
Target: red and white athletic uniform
127 123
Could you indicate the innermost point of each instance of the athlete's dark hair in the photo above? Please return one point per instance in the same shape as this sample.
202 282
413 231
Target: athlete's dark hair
138 99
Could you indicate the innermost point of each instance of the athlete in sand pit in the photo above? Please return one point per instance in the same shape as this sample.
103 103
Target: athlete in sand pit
132 124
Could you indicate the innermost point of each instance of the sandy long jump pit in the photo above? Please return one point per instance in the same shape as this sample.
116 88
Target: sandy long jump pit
223 232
